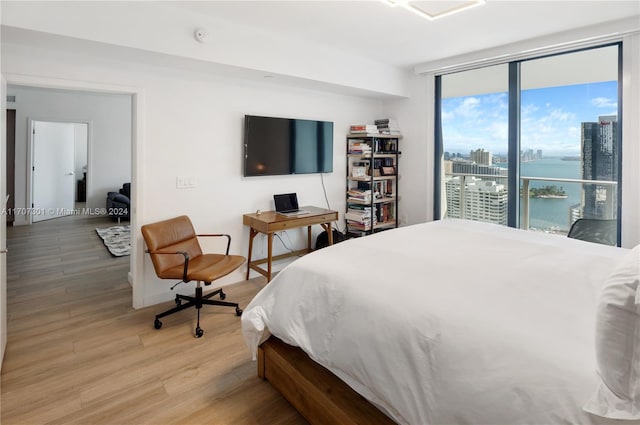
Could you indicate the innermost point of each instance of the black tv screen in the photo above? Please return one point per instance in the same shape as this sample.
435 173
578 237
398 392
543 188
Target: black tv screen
277 146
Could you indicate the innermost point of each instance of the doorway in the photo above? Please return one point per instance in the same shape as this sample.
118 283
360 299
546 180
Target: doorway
136 99
59 154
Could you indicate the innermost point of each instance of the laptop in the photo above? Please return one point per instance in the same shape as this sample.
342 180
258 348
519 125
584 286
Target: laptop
287 204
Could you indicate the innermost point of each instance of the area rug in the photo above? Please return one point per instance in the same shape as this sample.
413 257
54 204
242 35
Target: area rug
117 239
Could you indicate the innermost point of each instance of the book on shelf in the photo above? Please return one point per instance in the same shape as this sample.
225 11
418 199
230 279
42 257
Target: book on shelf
387 188
387 126
357 218
359 226
384 213
363 128
359 195
360 216
360 210
358 147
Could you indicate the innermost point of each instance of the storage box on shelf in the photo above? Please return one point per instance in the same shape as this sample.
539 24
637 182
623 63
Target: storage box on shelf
372 182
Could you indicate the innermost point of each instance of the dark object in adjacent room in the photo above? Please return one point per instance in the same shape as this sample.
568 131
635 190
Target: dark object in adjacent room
118 203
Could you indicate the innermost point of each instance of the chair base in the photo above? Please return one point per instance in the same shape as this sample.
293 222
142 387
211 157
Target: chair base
198 301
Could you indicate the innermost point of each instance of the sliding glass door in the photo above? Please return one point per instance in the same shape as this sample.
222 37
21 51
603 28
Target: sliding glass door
474 116
549 126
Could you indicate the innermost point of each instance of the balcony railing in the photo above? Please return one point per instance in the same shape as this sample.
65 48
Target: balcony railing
609 186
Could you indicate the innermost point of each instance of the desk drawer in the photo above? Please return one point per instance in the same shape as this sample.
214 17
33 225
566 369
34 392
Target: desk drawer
302 222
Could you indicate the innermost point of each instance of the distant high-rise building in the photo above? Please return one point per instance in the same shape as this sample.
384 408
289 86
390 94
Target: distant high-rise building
483 200
599 162
448 166
464 167
530 155
480 156
575 212
452 189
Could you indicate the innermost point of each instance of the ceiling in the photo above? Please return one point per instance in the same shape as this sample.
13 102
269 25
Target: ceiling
396 36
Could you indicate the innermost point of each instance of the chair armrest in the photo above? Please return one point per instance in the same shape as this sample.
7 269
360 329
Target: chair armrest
186 261
218 235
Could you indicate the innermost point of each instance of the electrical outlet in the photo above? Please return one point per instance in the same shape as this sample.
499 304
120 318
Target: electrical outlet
404 219
185 182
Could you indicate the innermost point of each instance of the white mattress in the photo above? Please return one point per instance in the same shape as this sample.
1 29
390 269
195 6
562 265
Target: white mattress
449 322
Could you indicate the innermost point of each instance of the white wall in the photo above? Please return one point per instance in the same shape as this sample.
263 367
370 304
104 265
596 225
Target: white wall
416 163
193 126
109 116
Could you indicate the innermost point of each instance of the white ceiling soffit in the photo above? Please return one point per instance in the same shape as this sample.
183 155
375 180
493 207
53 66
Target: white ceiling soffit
583 67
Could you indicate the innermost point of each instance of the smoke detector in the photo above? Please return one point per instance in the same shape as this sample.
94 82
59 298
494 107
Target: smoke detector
200 35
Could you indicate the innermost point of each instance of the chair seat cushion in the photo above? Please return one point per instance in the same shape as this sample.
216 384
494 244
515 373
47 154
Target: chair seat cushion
206 267
119 198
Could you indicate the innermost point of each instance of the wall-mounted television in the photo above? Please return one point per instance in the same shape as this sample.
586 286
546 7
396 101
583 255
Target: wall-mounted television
277 146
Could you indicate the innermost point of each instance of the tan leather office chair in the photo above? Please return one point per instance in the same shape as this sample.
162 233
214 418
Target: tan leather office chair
176 254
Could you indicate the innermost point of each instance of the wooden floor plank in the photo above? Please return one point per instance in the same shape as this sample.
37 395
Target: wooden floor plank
78 353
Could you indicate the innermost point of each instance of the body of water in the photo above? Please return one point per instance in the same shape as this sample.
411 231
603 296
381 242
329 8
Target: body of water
552 213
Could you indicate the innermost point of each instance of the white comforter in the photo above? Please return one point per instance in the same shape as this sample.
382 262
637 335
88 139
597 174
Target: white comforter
450 322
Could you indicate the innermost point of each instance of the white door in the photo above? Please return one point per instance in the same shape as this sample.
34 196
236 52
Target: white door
53 193
3 221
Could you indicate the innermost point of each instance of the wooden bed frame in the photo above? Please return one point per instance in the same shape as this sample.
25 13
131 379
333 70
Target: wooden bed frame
319 395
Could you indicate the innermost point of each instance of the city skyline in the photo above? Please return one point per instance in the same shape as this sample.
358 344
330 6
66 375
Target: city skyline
550 118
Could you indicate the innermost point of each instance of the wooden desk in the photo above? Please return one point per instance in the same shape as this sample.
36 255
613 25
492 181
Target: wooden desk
269 222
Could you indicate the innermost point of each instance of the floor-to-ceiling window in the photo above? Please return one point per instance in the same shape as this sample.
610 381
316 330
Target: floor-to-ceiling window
474 116
549 126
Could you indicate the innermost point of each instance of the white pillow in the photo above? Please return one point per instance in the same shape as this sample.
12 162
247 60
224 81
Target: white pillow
618 343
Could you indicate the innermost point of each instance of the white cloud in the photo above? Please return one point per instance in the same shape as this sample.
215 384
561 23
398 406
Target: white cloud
604 102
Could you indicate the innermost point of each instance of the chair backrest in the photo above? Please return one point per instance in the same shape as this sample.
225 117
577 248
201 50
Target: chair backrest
595 230
169 236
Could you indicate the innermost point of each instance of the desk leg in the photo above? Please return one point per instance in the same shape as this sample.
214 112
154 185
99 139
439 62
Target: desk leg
252 234
269 255
327 227
309 238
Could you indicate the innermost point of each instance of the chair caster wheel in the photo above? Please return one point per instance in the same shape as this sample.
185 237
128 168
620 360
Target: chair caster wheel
238 311
199 332
157 324
222 295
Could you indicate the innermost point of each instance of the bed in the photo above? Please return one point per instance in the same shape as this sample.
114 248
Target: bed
454 322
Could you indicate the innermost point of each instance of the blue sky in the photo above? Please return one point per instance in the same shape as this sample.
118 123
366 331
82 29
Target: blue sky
550 118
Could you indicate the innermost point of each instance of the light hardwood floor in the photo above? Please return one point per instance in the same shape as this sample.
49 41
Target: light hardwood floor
77 352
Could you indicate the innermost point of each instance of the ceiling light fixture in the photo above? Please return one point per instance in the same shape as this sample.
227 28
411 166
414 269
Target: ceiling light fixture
432 10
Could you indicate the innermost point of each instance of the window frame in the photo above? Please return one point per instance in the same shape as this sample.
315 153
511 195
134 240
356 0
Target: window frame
514 95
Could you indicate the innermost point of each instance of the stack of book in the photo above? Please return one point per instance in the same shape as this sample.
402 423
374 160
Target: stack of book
360 218
387 126
363 128
358 147
359 195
